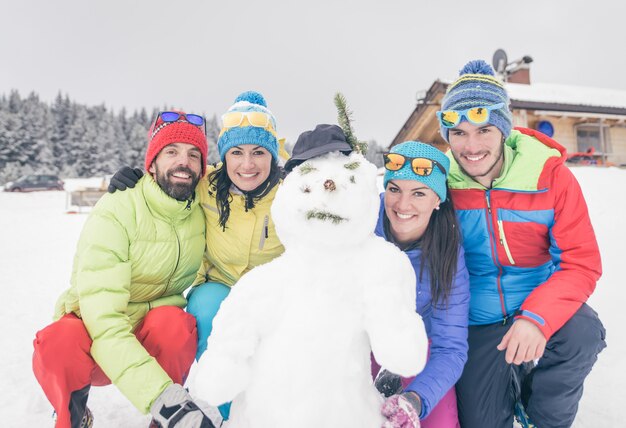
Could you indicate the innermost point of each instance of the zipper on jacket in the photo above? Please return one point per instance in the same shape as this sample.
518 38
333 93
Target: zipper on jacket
504 243
494 249
169 280
264 232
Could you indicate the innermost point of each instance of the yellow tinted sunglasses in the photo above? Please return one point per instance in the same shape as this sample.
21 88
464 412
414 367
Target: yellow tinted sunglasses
257 119
476 115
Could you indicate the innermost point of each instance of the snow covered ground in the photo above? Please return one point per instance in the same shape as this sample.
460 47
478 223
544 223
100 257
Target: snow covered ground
38 239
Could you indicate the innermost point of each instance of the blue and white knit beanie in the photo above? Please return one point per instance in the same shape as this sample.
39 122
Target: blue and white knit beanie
416 149
477 86
247 134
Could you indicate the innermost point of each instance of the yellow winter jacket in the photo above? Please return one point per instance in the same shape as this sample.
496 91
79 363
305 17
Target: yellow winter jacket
139 249
248 241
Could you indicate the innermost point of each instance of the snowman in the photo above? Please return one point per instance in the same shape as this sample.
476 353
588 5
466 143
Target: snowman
291 344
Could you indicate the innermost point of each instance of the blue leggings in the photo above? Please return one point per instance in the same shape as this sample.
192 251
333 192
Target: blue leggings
203 303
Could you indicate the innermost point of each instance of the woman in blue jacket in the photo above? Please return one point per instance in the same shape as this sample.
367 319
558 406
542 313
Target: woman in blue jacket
417 215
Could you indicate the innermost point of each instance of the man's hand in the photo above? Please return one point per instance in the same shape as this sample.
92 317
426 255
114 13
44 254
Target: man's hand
125 178
175 408
523 342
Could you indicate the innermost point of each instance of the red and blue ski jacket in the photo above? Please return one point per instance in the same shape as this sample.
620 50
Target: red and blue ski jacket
529 245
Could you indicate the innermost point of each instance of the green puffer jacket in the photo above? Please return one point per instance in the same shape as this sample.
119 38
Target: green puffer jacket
139 249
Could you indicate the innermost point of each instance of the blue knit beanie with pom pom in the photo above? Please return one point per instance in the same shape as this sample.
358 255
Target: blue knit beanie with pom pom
245 133
477 86
416 149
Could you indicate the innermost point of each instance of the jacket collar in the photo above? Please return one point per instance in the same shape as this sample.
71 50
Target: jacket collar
527 154
162 205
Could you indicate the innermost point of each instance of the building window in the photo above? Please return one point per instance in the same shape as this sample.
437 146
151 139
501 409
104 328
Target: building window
588 137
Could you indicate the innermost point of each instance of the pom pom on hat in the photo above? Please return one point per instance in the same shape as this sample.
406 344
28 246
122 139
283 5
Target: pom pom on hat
416 149
163 133
251 97
246 134
477 66
477 86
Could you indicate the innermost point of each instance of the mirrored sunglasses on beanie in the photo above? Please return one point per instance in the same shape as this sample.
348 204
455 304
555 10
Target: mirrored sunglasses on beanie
173 116
475 115
422 167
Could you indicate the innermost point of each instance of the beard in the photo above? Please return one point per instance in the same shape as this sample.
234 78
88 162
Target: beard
178 191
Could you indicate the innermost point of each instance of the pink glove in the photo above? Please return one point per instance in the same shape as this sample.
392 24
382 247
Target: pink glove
402 411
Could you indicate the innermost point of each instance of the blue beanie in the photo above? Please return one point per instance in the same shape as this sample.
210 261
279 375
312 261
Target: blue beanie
416 149
477 86
240 135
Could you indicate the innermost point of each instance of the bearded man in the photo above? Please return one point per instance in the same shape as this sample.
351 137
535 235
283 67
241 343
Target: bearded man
122 320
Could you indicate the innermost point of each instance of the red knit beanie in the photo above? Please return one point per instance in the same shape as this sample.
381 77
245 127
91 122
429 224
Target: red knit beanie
163 133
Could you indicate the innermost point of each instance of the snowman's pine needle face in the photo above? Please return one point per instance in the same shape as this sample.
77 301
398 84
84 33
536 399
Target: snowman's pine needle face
331 198
329 185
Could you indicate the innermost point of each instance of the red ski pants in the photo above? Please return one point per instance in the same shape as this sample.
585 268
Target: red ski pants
62 363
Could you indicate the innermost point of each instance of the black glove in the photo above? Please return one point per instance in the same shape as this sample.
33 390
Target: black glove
175 408
388 383
125 177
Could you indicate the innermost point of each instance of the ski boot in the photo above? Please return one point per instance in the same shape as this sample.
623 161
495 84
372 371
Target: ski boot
85 422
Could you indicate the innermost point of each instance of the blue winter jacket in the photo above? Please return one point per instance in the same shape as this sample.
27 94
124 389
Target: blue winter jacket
446 328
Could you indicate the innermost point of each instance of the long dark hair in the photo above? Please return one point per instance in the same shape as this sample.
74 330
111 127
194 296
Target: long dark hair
220 182
440 251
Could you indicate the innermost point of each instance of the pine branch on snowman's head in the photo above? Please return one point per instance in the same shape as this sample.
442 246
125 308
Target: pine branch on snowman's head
344 117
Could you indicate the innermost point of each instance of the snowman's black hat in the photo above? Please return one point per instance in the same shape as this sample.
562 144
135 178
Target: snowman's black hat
321 140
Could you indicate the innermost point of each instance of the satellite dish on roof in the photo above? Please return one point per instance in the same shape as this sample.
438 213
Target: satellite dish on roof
499 61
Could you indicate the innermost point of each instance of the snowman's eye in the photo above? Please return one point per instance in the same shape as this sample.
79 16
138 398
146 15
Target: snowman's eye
306 168
352 165
352 180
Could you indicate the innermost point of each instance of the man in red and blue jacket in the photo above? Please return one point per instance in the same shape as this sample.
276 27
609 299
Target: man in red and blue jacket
532 257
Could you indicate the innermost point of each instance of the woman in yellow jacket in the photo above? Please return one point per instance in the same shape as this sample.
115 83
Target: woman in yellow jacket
236 198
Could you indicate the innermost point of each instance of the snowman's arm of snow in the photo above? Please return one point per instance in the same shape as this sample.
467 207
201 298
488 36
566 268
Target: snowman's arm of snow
224 370
396 332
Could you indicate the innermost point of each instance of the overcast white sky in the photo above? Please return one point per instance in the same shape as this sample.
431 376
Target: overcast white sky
198 55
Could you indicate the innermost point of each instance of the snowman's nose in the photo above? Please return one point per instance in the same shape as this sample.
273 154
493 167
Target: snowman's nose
330 185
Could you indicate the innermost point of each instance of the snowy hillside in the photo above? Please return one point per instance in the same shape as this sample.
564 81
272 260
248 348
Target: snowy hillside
38 240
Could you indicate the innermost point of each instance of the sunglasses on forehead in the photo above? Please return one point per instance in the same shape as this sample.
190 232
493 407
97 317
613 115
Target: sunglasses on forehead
476 115
420 166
